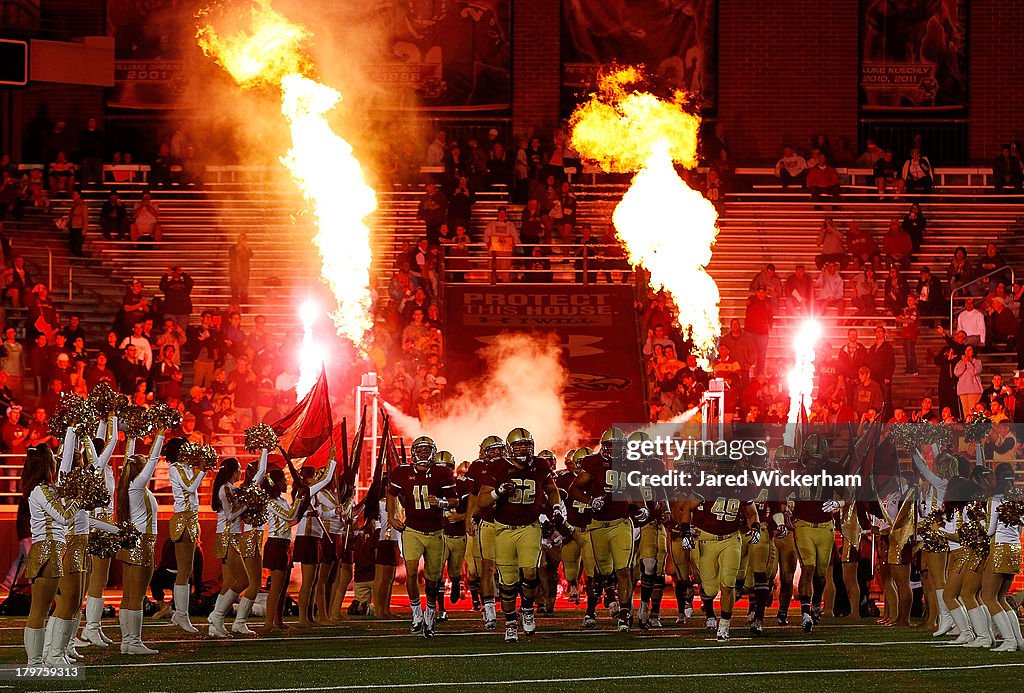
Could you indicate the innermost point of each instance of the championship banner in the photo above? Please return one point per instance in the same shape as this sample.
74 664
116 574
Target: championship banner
913 55
596 326
675 41
451 55
158 84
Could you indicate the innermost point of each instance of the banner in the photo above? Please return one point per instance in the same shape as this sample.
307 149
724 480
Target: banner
674 40
309 426
913 55
446 55
596 326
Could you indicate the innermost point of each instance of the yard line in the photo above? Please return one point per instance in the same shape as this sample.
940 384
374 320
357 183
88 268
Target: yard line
630 677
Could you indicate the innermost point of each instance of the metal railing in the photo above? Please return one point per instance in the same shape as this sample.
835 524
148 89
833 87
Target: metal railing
561 263
952 294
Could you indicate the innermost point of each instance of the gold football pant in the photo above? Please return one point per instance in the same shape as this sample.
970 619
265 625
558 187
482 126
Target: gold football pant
485 541
612 545
654 546
718 560
426 545
757 558
515 548
454 555
814 544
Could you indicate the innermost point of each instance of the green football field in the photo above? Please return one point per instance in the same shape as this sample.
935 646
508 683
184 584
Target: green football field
373 655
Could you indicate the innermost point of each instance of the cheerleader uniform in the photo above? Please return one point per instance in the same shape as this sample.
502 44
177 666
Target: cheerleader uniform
1005 558
229 523
184 526
250 537
282 517
309 534
94 605
335 523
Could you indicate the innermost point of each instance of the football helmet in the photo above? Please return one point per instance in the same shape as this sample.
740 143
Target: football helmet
549 456
446 458
423 450
492 448
613 444
816 449
520 444
784 455
575 457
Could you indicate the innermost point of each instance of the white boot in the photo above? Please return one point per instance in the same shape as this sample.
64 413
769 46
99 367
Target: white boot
239 626
216 617
963 623
74 642
1014 623
979 622
34 638
55 656
1006 631
93 615
50 624
180 616
133 625
945 620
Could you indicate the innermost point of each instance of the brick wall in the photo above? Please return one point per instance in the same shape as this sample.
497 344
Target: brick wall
786 70
995 66
536 64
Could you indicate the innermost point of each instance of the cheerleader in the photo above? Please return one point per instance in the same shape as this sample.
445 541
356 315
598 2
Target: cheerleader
934 562
93 631
249 540
963 575
1002 565
137 504
229 527
328 603
49 519
184 528
310 532
281 518
387 558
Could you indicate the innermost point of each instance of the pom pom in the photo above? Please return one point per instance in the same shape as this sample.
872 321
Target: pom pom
911 436
85 487
1011 510
197 455
106 400
973 531
73 412
978 428
107 544
136 421
164 418
931 532
255 500
260 437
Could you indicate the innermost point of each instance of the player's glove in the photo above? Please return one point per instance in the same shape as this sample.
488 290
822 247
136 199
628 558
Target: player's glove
597 504
754 535
781 532
830 506
547 530
558 514
442 503
689 542
642 515
506 489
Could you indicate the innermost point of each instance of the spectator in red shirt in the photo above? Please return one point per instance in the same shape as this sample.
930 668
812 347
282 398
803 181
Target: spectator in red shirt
897 244
822 179
758 323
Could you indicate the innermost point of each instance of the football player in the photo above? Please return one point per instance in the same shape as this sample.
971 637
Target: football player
653 545
577 553
480 525
425 491
551 549
785 546
759 559
602 484
454 535
683 559
814 513
719 514
518 488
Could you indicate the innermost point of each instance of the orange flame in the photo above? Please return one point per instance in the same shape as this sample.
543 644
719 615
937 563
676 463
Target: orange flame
666 227
266 50
801 377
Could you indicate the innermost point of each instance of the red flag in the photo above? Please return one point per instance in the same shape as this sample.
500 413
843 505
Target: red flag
307 427
322 457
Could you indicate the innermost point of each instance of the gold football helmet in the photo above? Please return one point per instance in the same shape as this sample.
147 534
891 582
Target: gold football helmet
520 443
575 457
446 458
492 448
785 454
613 444
816 447
423 450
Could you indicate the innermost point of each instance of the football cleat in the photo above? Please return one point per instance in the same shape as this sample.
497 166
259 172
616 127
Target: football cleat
816 614
751 616
644 617
688 609
529 622
442 616
417 623
681 619
711 623
574 594
623 626
807 623
511 631
723 634
757 627
782 618
656 621
613 609
589 621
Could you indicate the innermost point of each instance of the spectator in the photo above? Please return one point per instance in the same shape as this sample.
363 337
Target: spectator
926 413
501 238
867 394
146 221
143 349
61 174
897 244
843 155
768 280
42 316
887 178
865 292
1003 324
831 293
177 287
914 224
656 337
90 151
134 308
114 218
882 364
521 174
992 261
968 381
861 244
929 294
100 372
77 221
179 142
499 165
232 337
758 323
800 292
6 394
460 206
741 345
831 243
852 357
972 322
437 150
726 170
433 211
130 369
162 373
160 167
239 262
531 228
871 155
14 435
996 391
959 271
1007 171
917 173
172 336
822 179
12 360
910 330
17 281
244 386
74 330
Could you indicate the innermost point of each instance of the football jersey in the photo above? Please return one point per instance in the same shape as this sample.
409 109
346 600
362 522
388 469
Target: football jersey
577 513
807 500
457 528
479 476
721 511
607 480
413 488
526 503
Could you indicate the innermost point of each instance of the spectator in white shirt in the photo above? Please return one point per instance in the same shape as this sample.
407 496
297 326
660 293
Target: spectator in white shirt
437 150
972 321
501 238
141 344
830 288
791 169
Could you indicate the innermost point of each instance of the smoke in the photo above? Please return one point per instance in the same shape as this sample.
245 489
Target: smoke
523 385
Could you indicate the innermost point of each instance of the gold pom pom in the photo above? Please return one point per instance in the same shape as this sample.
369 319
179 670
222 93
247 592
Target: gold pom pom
973 531
84 486
931 532
107 544
197 455
164 417
911 436
260 437
255 500
136 421
978 428
1011 510
106 400
74 412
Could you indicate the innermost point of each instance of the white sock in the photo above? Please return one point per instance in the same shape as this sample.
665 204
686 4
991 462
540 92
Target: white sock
723 624
417 610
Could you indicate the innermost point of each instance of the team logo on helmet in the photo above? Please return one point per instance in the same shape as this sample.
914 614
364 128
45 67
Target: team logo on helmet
575 458
423 450
520 443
